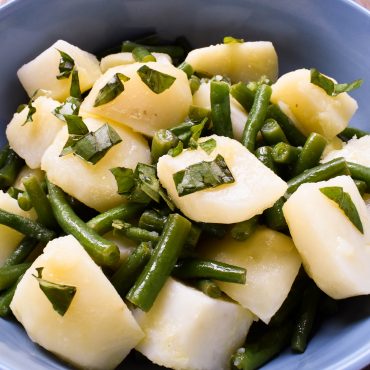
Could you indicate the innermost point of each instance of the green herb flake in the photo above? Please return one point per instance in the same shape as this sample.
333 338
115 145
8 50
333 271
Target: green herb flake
66 65
202 175
75 90
232 40
331 88
345 203
155 80
31 108
70 107
208 146
111 90
177 150
196 131
125 179
59 295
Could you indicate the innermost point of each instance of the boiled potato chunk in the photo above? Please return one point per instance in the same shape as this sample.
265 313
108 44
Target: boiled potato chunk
118 59
272 263
356 150
335 254
30 140
41 72
237 113
97 331
247 61
255 188
312 108
185 329
10 238
94 185
334 144
138 106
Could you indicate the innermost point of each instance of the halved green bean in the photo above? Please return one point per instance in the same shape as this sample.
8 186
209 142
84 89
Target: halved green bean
40 202
162 142
360 172
161 263
130 269
284 153
311 153
10 274
256 116
208 269
272 132
220 108
4 152
24 201
6 298
26 246
135 233
9 171
243 230
187 68
242 95
143 55
26 226
264 154
173 50
294 136
102 251
209 288
349 132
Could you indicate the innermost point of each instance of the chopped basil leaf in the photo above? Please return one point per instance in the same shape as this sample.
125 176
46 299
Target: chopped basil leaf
70 107
66 65
75 90
197 114
59 295
174 152
345 203
232 40
76 130
208 146
31 108
111 90
331 88
20 108
196 131
202 175
183 131
125 179
155 80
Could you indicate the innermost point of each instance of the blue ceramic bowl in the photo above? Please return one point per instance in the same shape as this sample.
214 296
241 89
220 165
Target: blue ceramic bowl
331 35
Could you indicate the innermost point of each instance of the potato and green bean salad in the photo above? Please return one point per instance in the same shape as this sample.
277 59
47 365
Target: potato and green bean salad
190 205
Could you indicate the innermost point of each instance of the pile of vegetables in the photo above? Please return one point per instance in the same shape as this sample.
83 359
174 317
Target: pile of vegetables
165 202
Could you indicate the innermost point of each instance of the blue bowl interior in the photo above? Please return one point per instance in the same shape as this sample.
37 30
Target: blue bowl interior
331 35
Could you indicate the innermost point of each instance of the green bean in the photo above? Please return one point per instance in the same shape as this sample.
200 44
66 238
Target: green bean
294 136
243 230
274 216
256 116
187 68
4 152
130 269
14 192
194 83
207 269
6 298
349 132
242 95
135 233
172 50
102 223
26 246
284 153
263 348
102 251
361 186
272 132
306 318
264 154
9 171
24 201
197 114
360 172
209 288
220 108
141 54
40 202
162 142
26 226
311 153
161 263
217 231
10 274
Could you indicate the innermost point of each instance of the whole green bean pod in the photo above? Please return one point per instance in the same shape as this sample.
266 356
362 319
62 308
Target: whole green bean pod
360 172
272 132
162 142
209 288
349 132
6 298
25 247
274 216
102 251
10 274
264 154
220 109
4 152
172 50
143 55
9 171
161 263
135 233
242 95
283 153
256 117
243 230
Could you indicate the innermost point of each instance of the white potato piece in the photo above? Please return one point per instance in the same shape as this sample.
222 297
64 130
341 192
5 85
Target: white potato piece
94 184
238 115
247 61
30 140
138 106
272 263
27 172
334 144
255 188
41 72
97 331
335 254
10 238
118 59
185 329
312 108
356 150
